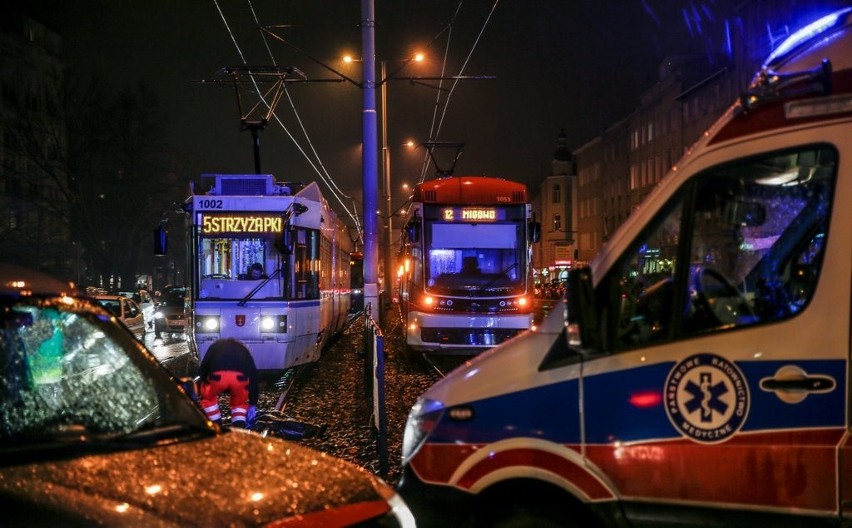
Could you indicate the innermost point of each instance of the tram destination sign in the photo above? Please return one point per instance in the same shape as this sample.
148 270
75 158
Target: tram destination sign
473 214
221 224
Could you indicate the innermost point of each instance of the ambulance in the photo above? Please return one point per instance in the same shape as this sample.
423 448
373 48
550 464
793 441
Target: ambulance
696 373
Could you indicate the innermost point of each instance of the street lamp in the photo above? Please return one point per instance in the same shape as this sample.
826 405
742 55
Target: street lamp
370 149
386 168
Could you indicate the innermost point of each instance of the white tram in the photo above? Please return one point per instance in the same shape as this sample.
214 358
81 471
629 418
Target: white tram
299 298
466 264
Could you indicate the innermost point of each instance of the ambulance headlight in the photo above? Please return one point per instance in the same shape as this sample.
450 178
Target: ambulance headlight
422 419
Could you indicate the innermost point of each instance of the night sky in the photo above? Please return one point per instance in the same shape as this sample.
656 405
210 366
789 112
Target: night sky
571 65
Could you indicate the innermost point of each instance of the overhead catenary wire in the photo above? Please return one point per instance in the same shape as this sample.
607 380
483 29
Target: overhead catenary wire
318 166
432 134
325 177
435 129
324 174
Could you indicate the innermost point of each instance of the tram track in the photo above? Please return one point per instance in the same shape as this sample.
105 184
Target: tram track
284 385
431 362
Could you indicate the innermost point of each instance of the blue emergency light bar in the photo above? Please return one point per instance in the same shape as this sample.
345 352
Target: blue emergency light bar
805 34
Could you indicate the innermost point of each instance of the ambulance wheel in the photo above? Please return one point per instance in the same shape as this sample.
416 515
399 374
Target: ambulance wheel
529 503
530 517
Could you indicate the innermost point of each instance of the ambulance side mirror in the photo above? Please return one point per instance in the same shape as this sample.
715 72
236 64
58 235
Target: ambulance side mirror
582 310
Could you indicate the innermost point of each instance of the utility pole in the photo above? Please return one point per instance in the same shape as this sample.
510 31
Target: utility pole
386 185
369 154
370 149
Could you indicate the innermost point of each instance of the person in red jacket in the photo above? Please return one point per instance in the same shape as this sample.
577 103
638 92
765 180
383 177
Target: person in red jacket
228 367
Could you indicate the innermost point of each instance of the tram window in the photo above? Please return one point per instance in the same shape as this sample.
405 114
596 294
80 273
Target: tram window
413 231
490 248
307 263
228 258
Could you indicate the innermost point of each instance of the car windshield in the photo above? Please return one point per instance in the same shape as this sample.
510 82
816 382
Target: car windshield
67 371
112 305
131 295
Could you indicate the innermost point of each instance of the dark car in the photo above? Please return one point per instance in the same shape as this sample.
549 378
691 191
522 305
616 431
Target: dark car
94 431
169 317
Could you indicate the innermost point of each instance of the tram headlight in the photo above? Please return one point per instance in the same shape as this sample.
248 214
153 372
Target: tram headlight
273 324
207 323
428 302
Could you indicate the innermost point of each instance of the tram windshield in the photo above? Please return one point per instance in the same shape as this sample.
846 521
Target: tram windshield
230 258
234 267
470 259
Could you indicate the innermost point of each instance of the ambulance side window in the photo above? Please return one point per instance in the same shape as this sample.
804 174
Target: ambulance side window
748 252
643 286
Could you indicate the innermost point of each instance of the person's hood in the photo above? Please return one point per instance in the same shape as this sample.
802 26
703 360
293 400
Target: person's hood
234 479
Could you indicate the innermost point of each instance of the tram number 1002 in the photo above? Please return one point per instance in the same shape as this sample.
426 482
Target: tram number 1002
209 204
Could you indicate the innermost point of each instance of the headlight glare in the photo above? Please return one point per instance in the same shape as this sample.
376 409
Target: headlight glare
207 323
422 420
273 324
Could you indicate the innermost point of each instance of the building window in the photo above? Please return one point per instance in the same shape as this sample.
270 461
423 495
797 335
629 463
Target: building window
557 193
557 222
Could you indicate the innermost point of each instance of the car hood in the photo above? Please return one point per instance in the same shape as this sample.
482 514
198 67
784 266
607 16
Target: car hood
235 479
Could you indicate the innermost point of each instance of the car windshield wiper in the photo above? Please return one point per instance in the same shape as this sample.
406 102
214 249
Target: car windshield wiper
154 432
76 440
79 435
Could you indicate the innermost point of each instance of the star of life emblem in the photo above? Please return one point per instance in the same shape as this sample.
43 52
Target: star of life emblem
707 398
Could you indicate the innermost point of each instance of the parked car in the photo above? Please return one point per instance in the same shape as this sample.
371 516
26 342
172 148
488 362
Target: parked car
126 310
170 317
94 431
146 304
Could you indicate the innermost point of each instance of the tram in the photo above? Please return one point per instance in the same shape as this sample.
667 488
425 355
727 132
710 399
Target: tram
269 265
356 262
465 274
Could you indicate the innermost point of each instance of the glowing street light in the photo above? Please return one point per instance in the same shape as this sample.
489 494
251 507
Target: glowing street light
384 77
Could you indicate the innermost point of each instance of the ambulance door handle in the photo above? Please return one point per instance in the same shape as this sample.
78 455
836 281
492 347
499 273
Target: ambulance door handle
807 383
